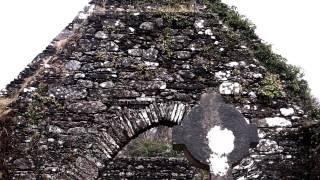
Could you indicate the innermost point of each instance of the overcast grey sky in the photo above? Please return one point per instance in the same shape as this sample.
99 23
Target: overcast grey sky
27 27
291 26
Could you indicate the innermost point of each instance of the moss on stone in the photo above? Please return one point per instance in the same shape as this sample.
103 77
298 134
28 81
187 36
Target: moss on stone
101 56
149 148
271 87
38 107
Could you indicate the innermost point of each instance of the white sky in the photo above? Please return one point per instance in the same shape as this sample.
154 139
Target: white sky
292 26
27 27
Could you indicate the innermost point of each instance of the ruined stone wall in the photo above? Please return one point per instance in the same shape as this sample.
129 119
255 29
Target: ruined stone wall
148 168
129 68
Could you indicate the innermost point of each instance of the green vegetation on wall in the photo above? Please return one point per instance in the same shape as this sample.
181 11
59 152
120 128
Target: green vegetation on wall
149 148
153 143
271 87
276 64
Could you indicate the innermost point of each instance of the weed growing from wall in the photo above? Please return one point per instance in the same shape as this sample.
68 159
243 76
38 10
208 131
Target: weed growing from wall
271 87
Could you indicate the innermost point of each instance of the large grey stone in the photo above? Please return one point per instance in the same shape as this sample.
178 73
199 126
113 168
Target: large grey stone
228 88
149 26
73 65
88 168
182 55
88 107
107 84
69 93
135 52
101 35
22 164
199 24
112 46
150 54
85 83
274 122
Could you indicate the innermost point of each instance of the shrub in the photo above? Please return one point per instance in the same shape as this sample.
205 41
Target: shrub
271 87
152 143
146 147
202 175
315 108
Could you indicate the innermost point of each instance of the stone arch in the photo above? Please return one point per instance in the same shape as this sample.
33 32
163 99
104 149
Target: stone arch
134 122
92 148
154 115
150 153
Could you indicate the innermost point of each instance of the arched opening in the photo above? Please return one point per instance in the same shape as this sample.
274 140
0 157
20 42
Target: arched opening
151 155
151 143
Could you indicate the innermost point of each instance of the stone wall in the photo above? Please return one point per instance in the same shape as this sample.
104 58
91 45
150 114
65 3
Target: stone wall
148 168
126 69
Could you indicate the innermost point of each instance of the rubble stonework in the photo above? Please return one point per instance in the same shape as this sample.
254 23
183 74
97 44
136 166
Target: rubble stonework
119 70
148 168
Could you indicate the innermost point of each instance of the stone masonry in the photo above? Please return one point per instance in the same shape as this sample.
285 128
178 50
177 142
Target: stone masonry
119 70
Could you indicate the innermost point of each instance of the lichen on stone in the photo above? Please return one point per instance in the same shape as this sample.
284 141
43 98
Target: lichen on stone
220 148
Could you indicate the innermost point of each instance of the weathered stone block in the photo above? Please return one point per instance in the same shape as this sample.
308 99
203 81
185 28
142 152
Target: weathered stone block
215 135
